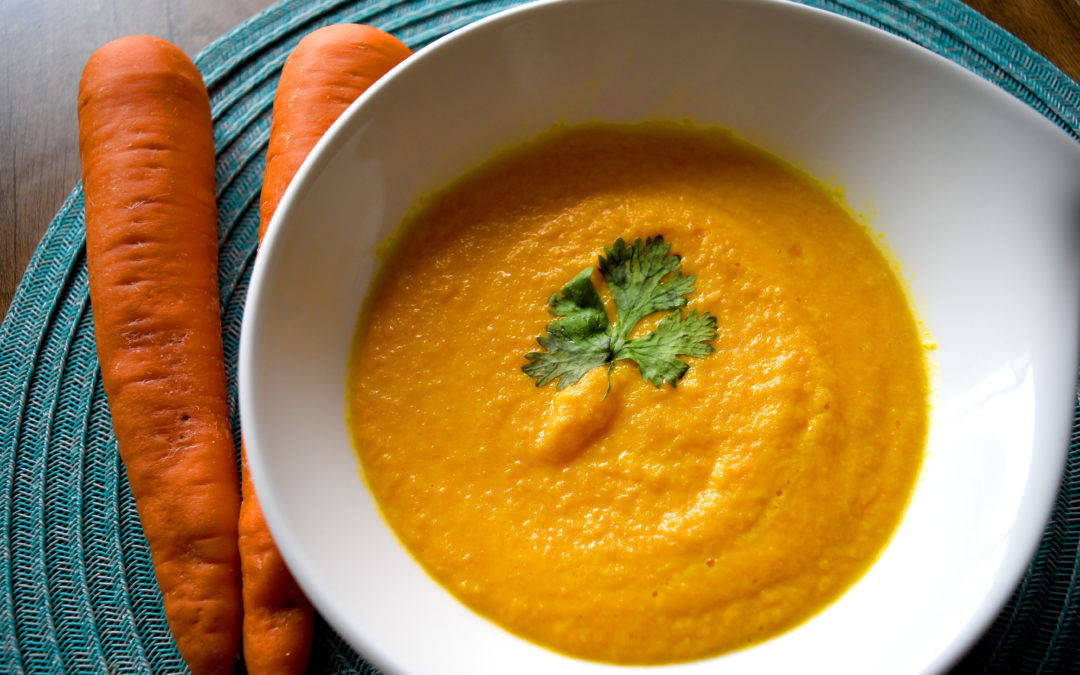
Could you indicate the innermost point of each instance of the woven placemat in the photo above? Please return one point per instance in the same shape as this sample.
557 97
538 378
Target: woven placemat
77 592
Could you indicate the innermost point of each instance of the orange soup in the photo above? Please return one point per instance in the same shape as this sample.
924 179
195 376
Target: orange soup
612 519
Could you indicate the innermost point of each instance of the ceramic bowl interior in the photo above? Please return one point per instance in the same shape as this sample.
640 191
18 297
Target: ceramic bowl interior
974 194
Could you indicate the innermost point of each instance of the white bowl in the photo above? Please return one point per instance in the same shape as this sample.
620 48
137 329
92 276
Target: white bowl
976 195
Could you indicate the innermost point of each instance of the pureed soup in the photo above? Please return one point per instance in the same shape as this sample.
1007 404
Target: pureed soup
613 519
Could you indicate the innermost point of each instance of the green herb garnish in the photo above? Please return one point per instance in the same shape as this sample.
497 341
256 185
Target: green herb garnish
643 279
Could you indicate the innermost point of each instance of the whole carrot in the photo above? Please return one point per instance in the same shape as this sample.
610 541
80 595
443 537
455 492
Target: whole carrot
147 153
326 72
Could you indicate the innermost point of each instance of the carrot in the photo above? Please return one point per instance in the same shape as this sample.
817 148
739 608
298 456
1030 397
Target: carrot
326 72
147 154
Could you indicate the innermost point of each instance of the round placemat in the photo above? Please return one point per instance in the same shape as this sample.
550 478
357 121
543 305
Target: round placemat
77 592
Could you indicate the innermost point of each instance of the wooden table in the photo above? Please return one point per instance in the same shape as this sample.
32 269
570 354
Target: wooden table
46 42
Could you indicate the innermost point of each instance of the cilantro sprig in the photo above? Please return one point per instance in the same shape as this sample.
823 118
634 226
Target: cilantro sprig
644 278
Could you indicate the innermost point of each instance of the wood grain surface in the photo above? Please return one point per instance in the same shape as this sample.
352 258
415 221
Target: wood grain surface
45 44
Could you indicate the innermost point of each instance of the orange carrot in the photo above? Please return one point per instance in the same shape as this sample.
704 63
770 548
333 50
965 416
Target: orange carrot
327 71
147 153
278 618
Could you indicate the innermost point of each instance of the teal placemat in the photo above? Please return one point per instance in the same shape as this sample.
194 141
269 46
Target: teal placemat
77 592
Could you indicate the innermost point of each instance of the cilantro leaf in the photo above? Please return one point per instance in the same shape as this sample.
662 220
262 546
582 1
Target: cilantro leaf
580 306
635 274
643 278
657 353
579 341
